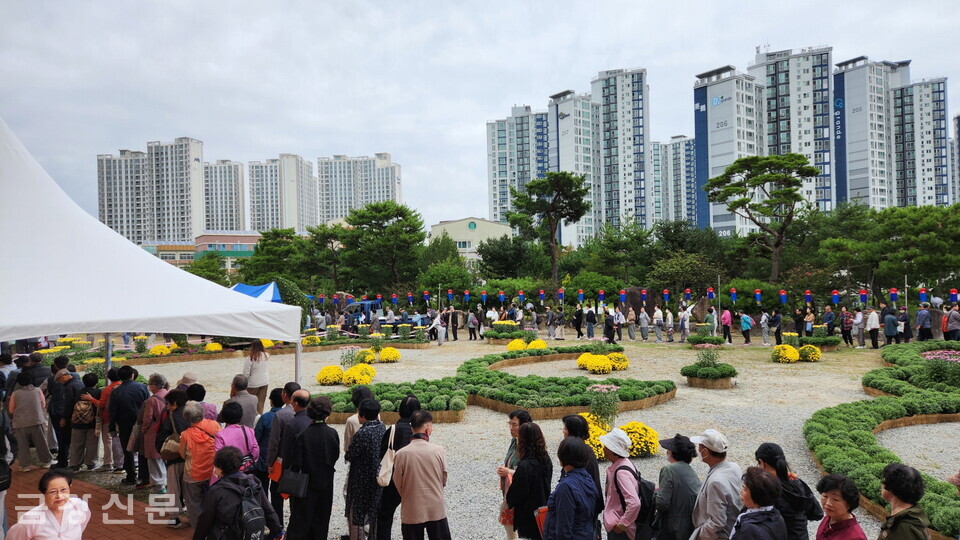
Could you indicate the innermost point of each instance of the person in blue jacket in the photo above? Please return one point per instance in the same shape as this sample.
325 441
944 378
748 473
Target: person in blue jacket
571 506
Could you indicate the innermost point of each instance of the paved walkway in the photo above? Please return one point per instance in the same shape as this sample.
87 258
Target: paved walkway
115 516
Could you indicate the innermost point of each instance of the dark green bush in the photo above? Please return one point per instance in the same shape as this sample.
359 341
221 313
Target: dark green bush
697 339
828 341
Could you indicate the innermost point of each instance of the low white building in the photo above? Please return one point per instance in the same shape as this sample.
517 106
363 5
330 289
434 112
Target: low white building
467 233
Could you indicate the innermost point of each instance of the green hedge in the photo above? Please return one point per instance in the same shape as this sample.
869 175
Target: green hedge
831 341
842 439
697 339
475 377
526 335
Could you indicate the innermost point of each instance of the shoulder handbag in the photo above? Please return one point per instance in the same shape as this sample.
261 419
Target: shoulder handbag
246 465
294 483
171 445
385 476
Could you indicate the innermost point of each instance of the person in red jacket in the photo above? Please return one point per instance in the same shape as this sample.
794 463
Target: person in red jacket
839 497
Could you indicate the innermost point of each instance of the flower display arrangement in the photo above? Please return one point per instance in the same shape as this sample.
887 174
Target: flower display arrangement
267 344
213 347
310 341
140 344
701 339
842 437
359 374
517 345
791 338
330 375
820 330
644 440
785 354
809 353
602 363
537 344
403 331
160 350
389 355
708 366
508 330
366 356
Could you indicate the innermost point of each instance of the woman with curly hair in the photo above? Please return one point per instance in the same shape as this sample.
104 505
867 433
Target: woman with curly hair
530 486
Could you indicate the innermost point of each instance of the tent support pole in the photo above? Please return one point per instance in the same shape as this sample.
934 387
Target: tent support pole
107 353
296 365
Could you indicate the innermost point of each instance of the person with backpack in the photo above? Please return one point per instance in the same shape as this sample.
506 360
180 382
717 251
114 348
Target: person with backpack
315 453
797 504
236 507
84 441
622 507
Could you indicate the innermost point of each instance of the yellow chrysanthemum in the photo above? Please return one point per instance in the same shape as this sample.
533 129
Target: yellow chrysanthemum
160 350
174 346
596 428
644 440
517 345
266 343
582 360
619 361
329 375
137 337
537 344
599 364
785 354
810 353
359 374
95 361
389 355
310 341
366 356
213 347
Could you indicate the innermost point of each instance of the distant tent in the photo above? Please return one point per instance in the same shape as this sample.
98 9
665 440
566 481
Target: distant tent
268 293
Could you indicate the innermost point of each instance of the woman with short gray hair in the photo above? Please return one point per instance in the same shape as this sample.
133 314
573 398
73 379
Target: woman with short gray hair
196 448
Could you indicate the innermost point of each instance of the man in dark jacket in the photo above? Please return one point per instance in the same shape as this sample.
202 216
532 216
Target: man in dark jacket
39 373
608 327
125 403
277 427
70 389
315 453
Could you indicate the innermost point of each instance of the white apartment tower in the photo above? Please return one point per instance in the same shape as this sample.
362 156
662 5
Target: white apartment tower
920 133
283 194
346 183
574 147
799 112
672 181
729 121
154 196
125 195
224 196
517 152
622 137
863 115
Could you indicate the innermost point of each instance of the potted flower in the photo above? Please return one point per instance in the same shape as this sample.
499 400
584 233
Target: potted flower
708 372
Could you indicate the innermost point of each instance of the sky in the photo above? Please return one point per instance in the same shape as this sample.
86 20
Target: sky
416 79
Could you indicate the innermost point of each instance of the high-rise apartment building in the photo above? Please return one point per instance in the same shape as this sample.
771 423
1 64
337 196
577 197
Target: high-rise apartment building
799 112
672 181
623 135
224 196
955 156
347 183
125 195
157 195
863 115
283 194
573 121
729 120
920 133
517 152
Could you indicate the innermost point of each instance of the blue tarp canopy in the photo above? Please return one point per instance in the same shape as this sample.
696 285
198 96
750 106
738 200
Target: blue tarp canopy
268 293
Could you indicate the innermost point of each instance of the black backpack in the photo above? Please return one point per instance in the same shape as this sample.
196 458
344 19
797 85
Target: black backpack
250 519
645 491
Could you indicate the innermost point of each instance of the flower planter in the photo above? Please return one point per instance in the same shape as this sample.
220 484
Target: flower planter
533 360
829 348
714 384
497 341
554 413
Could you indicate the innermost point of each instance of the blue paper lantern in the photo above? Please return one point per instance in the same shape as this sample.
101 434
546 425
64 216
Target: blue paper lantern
686 295
520 296
449 295
783 296
410 298
710 294
923 295
807 297
580 295
335 300
835 296
541 295
426 296
393 298
643 295
757 295
483 296
601 295
321 299
501 297
953 295
863 296
623 296
349 299
893 295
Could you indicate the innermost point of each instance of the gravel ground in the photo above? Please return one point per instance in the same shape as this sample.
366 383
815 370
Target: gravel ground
923 447
769 403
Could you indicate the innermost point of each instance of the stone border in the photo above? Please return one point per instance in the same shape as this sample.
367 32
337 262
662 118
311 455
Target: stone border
725 383
871 507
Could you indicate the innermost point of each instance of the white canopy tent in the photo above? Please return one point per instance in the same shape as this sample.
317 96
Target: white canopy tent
63 271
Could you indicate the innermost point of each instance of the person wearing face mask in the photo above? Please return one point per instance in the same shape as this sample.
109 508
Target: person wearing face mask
58 516
718 501
839 497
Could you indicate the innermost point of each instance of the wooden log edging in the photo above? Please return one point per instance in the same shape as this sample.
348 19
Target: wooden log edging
498 341
510 362
873 392
871 507
389 417
725 383
554 413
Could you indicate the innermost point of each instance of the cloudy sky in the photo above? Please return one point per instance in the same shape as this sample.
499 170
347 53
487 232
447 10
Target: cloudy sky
416 79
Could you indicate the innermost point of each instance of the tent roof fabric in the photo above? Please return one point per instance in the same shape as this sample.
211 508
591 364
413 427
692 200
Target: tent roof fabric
65 272
268 293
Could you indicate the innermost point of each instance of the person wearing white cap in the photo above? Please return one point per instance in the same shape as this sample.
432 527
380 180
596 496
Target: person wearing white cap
622 493
718 502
